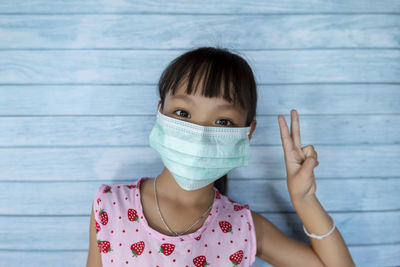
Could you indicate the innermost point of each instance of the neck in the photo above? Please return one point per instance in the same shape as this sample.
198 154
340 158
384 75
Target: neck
168 189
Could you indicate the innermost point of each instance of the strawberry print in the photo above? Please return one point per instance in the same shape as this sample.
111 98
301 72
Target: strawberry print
103 217
104 246
198 238
132 215
107 189
98 200
237 207
200 261
240 207
98 228
167 249
137 248
225 226
131 186
217 195
236 258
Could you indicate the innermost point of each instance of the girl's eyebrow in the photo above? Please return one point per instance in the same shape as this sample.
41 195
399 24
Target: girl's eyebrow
222 106
184 97
225 106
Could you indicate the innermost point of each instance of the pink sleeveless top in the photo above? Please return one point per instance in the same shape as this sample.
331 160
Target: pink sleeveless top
124 238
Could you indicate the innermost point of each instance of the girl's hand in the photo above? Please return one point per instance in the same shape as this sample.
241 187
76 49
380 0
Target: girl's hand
300 162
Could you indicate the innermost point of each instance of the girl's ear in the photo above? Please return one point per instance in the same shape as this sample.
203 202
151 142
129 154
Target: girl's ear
253 127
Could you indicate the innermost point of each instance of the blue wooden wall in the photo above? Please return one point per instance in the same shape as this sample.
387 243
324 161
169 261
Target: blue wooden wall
78 100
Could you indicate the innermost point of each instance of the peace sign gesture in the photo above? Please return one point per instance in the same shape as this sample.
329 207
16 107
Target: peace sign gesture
300 162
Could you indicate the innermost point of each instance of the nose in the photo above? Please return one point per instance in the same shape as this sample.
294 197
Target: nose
203 123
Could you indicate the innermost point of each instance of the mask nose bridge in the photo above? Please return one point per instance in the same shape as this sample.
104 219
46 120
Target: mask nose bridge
204 124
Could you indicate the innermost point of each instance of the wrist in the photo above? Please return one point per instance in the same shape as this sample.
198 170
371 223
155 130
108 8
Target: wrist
304 201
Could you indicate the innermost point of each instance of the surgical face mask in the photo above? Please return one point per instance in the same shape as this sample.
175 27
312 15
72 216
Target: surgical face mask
198 155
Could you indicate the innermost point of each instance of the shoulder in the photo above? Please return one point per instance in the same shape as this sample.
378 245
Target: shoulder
112 192
111 200
258 223
236 209
227 200
232 205
115 188
243 216
103 191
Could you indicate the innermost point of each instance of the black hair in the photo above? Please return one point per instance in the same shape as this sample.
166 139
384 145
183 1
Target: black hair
218 66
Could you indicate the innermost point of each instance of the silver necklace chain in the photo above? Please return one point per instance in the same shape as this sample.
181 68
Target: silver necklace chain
159 212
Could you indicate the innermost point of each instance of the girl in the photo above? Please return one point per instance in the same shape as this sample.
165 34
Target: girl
182 217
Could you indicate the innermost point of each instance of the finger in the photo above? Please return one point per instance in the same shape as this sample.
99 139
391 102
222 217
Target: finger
295 129
309 151
308 166
287 141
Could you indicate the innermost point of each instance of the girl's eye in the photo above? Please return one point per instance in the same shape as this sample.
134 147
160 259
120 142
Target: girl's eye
231 123
227 122
181 110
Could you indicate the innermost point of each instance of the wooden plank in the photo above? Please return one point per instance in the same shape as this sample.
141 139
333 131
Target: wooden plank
154 31
119 163
136 100
145 66
262 195
134 130
214 7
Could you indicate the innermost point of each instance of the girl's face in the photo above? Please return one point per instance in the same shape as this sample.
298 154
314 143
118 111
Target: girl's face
202 110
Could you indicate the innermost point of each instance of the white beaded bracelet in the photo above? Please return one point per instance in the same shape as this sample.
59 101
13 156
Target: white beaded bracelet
321 236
